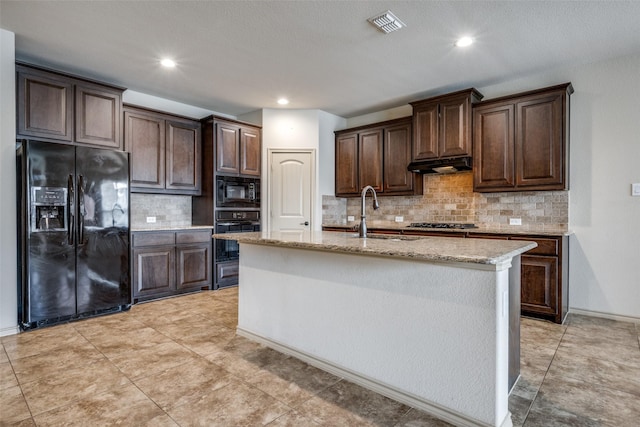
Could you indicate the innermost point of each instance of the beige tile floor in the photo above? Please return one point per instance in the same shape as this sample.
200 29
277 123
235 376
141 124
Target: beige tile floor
177 362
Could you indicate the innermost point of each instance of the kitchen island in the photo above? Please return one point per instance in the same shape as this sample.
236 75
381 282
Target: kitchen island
423 320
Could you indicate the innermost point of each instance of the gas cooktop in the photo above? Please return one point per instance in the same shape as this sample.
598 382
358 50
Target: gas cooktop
454 225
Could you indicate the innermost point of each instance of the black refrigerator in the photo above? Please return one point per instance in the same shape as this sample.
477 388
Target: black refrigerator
73 232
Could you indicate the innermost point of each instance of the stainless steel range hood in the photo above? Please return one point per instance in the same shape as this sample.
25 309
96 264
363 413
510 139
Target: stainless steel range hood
441 165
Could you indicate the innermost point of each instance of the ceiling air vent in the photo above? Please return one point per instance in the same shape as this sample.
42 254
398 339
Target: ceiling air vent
386 22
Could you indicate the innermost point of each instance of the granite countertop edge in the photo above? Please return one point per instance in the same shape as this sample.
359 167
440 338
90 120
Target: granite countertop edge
433 249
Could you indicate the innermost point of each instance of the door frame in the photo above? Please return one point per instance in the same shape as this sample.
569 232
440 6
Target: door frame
266 214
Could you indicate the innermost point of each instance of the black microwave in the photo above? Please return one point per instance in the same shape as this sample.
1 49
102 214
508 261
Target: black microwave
237 192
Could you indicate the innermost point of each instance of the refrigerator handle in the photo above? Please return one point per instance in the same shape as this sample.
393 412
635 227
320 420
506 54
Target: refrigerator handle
81 211
71 209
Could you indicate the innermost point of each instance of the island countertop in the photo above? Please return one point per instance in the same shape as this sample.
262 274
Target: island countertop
427 248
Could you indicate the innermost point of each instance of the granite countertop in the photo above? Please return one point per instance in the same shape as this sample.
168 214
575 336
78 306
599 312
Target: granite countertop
545 230
425 248
187 227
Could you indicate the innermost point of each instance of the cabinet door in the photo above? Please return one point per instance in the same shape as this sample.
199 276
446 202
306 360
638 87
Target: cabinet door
347 164
45 105
539 147
250 148
144 139
425 132
98 112
454 130
370 159
493 140
154 271
539 281
227 148
194 266
183 157
397 156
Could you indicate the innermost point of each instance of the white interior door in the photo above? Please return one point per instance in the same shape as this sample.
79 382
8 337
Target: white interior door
291 191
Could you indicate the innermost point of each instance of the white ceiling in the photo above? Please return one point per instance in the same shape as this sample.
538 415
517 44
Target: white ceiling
239 56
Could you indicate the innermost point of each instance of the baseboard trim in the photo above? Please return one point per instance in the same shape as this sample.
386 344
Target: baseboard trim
603 315
12 330
374 385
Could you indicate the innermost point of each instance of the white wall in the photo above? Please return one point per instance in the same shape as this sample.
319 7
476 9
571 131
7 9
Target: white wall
161 104
308 129
8 231
327 153
604 263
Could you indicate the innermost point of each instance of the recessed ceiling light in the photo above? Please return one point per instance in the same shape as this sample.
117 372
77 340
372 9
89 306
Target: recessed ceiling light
386 22
168 63
283 101
464 41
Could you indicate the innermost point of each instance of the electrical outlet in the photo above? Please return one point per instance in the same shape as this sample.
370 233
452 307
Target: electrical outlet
515 221
635 189
351 218
399 218
151 219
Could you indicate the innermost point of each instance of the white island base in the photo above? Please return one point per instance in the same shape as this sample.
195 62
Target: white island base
431 335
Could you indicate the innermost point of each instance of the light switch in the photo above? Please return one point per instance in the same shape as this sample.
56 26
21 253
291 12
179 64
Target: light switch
399 219
635 189
515 221
351 218
151 219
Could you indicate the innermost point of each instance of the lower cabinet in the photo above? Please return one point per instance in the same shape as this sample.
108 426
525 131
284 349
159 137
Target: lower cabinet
544 276
168 263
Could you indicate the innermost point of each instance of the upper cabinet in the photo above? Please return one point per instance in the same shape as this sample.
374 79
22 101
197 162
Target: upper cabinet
238 148
442 125
376 155
521 141
64 108
165 152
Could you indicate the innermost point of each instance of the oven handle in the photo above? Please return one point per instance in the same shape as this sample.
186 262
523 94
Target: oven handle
238 223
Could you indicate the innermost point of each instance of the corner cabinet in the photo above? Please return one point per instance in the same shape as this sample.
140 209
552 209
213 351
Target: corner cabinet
376 155
168 263
442 125
165 152
238 148
60 107
521 141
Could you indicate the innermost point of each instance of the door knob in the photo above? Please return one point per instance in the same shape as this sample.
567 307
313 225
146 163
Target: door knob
304 223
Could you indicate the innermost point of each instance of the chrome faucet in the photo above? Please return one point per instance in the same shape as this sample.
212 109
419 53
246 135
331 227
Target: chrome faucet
363 223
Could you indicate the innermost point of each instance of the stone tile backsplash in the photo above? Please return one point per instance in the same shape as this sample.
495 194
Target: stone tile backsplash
170 211
450 198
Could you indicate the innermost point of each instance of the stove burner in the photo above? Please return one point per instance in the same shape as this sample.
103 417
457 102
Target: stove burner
441 225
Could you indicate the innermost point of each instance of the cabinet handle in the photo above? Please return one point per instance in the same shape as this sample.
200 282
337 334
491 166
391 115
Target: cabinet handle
304 223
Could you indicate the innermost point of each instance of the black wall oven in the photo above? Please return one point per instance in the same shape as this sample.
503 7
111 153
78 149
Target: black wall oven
227 252
237 192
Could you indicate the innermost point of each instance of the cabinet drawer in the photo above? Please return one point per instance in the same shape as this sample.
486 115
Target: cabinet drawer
200 236
545 246
153 238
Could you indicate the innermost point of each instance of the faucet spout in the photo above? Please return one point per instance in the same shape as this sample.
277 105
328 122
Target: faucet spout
363 223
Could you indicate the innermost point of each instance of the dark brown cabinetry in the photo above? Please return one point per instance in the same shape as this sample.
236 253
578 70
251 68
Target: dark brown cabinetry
65 108
238 147
376 155
165 152
170 262
442 125
521 141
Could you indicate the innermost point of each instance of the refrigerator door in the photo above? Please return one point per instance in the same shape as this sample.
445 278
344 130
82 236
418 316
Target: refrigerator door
49 282
103 229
